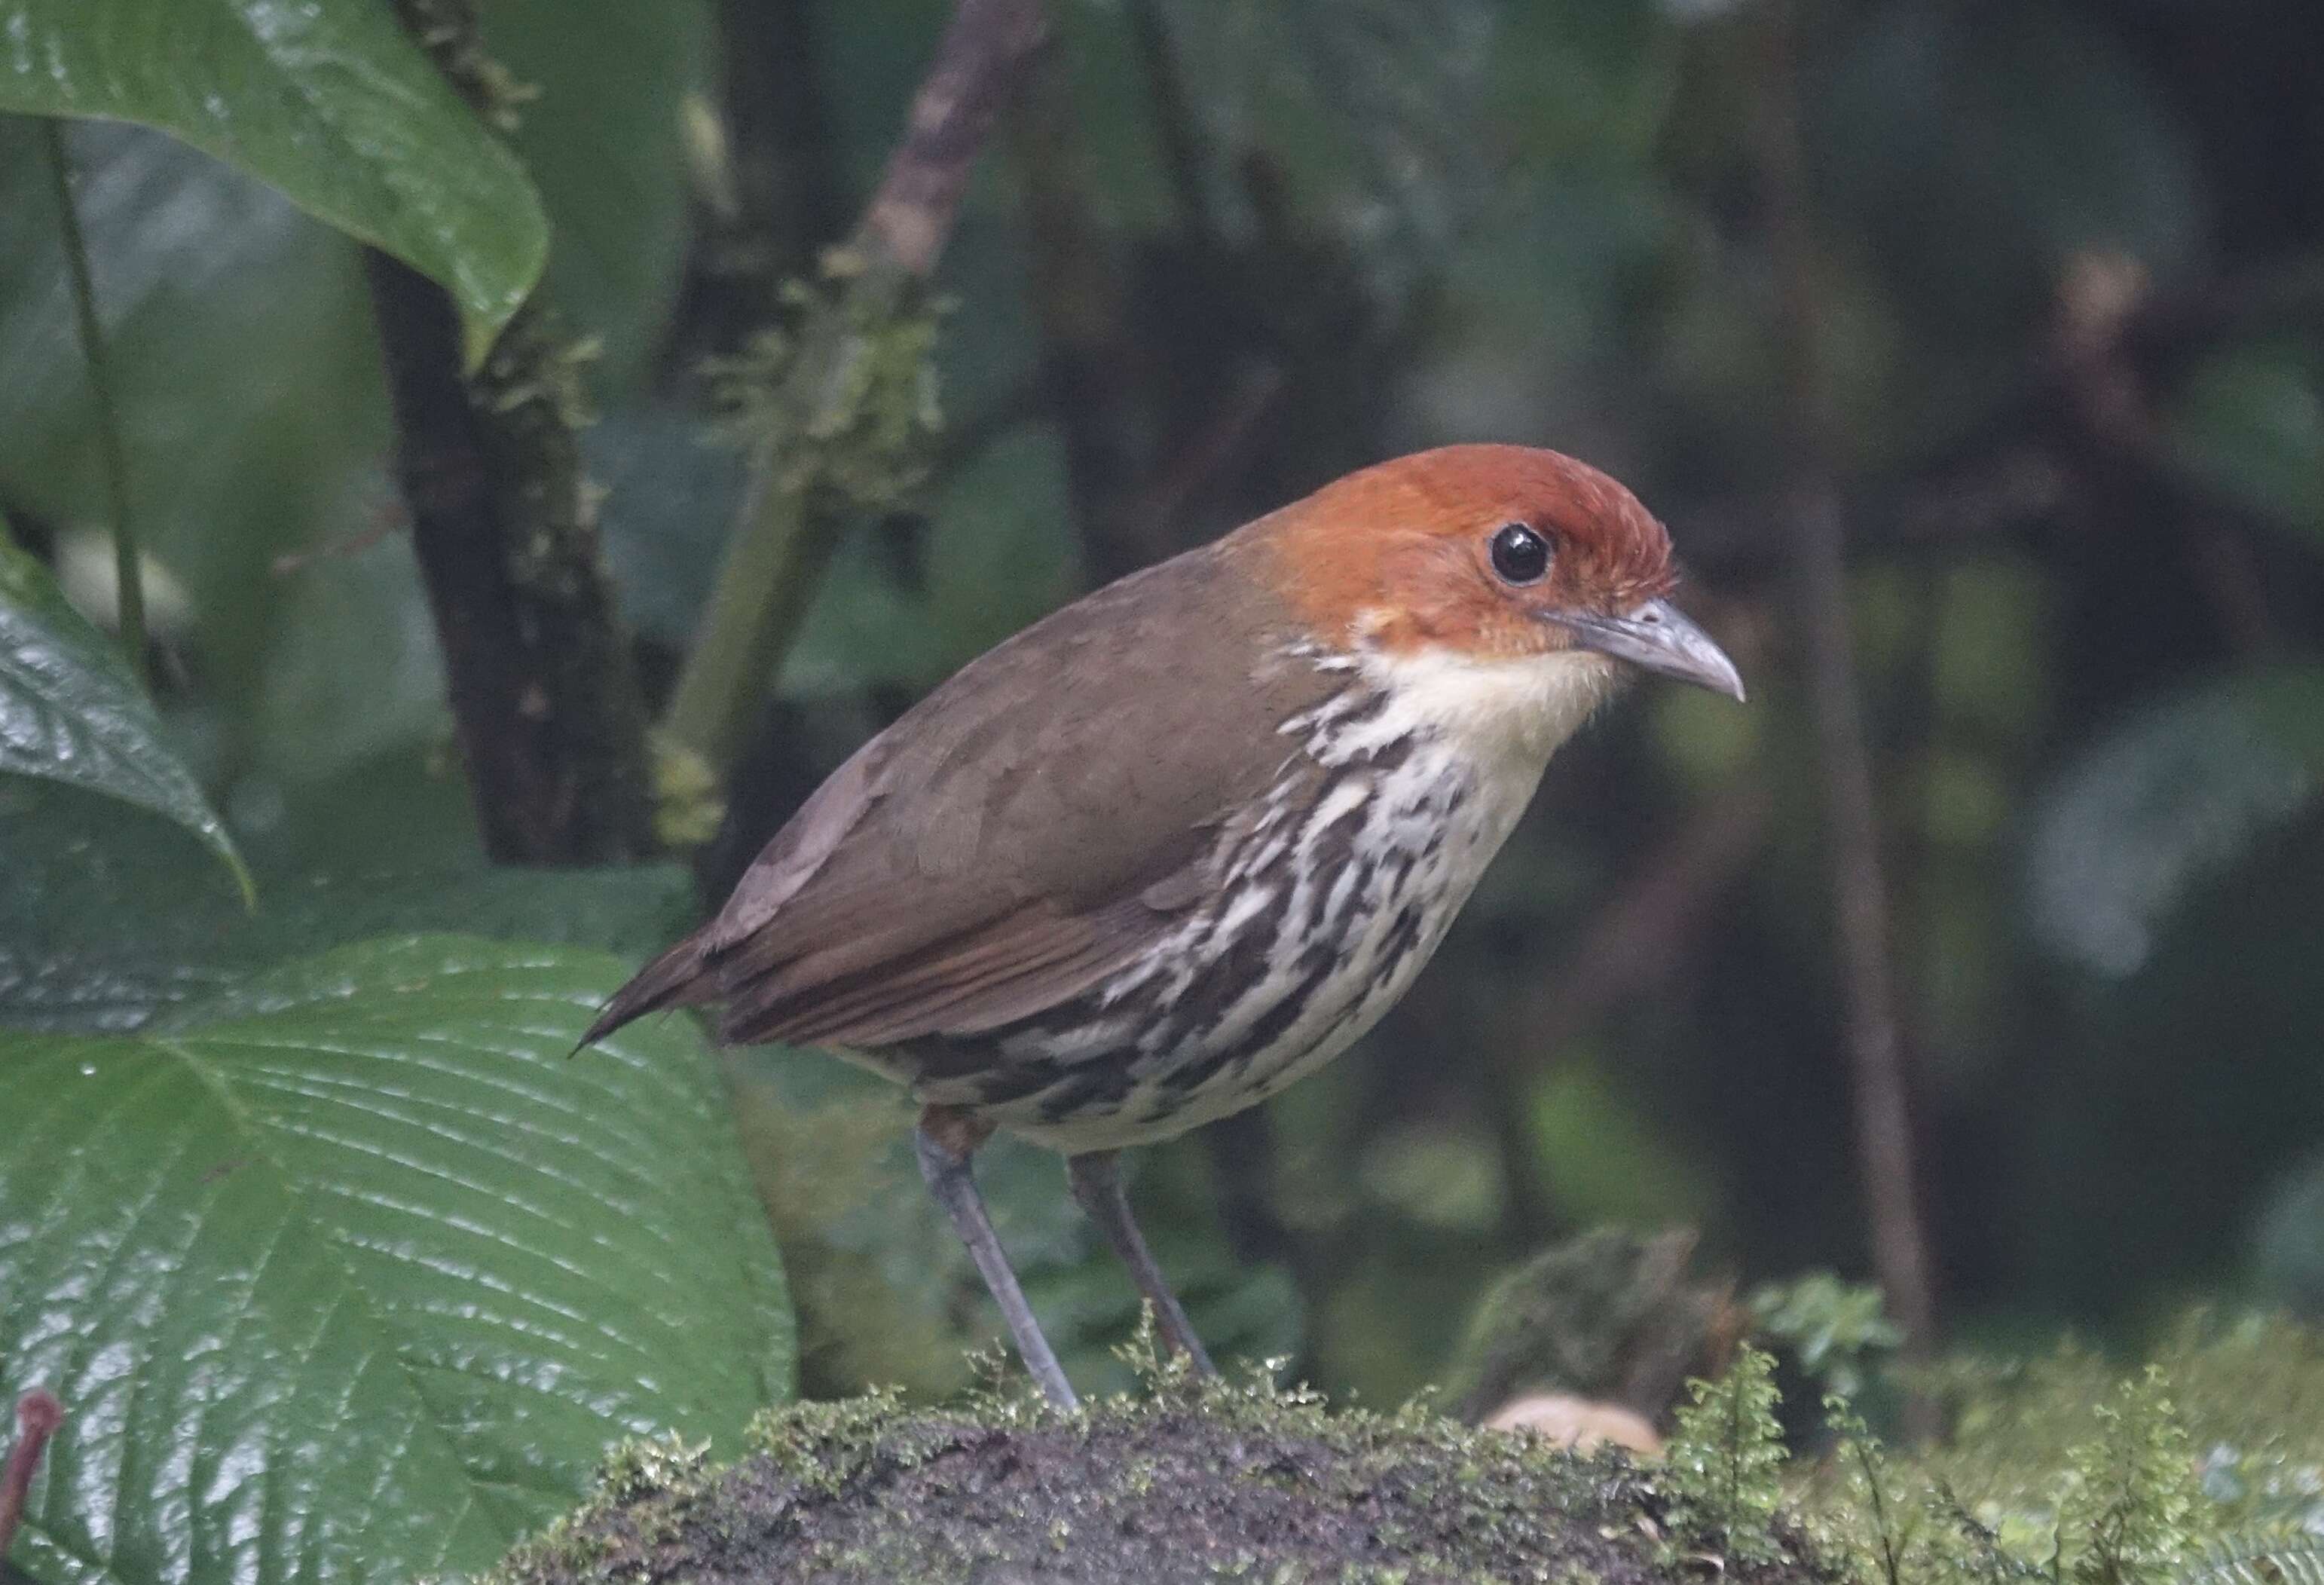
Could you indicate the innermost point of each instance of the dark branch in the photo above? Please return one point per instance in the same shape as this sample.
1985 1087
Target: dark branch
1175 121
1881 1091
1077 290
770 194
543 695
503 523
982 55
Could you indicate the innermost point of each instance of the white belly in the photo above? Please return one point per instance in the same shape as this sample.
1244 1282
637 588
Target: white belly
1396 794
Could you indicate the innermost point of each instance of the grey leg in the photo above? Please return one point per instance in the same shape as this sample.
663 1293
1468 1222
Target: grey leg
1096 1180
954 1186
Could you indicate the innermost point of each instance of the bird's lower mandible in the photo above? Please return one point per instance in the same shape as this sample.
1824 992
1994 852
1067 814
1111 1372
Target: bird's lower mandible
1183 841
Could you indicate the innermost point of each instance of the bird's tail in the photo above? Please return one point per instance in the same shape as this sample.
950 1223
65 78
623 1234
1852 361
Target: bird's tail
675 979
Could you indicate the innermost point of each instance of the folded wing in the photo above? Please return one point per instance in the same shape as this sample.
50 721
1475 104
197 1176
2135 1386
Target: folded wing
1032 827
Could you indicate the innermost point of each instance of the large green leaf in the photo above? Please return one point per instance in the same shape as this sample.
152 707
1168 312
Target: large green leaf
71 711
352 1274
112 919
327 100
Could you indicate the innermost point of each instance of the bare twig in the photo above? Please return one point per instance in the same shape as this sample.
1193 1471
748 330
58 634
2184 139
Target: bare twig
387 517
794 511
128 566
978 65
1636 938
2012 468
1881 1091
1024 401
544 695
38 1415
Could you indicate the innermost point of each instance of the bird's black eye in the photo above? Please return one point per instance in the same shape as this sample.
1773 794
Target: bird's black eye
1519 555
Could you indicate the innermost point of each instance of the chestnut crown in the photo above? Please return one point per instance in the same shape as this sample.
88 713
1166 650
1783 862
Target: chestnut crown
1491 553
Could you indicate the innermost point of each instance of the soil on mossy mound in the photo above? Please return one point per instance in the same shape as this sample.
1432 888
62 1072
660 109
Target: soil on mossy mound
1219 1486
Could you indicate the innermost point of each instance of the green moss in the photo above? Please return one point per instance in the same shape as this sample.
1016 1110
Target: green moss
826 1447
2065 1471
1723 1470
641 1467
645 1493
846 389
1232 1478
2128 1511
2206 1466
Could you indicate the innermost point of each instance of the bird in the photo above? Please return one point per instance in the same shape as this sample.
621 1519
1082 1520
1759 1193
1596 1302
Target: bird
1183 841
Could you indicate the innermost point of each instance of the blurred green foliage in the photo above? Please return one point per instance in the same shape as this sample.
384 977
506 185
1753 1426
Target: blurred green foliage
2204 1465
2068 256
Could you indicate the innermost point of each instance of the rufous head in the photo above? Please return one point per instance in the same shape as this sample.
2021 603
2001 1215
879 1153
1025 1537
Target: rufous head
1490 555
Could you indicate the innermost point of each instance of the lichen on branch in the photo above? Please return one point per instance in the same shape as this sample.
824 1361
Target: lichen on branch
844 408
544 692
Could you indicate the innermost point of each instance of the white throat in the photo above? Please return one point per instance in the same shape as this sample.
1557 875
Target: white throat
1509 716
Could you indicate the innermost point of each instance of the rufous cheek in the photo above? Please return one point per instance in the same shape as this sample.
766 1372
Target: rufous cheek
1436 594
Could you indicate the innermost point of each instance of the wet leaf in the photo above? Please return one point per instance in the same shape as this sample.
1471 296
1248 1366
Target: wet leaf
76 872
71 710
352 1274
328 101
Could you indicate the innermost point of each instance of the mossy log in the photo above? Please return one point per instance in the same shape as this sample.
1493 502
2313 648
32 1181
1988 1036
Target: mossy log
1189 1483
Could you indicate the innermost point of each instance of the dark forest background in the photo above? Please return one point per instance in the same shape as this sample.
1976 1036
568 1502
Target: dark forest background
1974 354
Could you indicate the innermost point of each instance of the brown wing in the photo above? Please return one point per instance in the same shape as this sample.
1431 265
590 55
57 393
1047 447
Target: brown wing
1025 830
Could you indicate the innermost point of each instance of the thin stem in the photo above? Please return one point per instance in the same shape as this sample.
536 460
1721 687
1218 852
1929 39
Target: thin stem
784 536
1881 1093
766 585
128 566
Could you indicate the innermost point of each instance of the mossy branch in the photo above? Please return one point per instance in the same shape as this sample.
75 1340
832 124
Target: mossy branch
840 415
846 414
544 692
